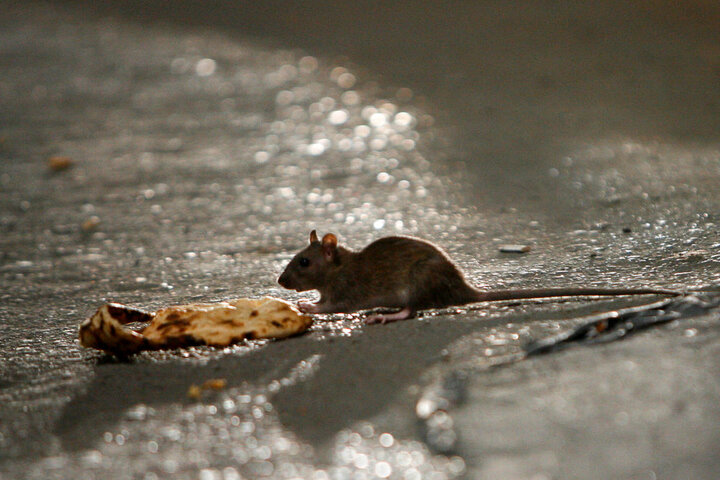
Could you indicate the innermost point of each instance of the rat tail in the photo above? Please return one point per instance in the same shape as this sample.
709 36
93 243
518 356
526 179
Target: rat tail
497 295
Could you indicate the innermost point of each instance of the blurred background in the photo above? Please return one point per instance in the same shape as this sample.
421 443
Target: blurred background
517 84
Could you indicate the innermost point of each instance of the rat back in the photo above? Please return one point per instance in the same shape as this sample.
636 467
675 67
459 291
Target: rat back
404 272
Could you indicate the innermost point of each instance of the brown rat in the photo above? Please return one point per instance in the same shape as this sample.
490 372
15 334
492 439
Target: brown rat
399 272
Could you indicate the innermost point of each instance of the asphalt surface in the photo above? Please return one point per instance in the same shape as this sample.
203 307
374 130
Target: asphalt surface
205 141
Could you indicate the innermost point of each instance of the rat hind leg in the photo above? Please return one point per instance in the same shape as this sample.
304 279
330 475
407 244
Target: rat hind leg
438 283
402 314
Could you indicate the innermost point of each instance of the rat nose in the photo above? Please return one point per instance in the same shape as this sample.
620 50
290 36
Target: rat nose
283 280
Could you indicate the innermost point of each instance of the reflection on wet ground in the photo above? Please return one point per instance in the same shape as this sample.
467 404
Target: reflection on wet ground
236 434
197 164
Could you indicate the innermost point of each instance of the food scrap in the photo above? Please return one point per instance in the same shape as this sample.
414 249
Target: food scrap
215 324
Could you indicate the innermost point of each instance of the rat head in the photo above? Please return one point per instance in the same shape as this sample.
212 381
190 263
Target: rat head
309 268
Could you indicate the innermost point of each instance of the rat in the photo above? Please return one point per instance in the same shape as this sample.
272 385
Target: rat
398 272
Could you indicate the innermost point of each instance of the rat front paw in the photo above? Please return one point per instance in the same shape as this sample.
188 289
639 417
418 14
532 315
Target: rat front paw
307 307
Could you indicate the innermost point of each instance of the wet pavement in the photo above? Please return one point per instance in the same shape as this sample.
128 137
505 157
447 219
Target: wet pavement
203 149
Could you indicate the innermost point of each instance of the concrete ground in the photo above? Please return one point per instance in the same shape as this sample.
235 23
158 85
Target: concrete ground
206 139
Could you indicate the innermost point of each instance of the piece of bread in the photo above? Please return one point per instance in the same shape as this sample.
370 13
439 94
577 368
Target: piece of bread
217 324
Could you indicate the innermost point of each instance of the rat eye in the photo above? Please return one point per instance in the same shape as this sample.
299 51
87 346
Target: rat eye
304 261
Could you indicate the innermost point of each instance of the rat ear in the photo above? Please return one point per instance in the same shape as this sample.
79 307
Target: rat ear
329 244
329 240
314 237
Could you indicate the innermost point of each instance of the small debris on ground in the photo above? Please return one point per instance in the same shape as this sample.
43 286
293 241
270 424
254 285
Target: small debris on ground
59 163
90 224
195 391
515 248
215 384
